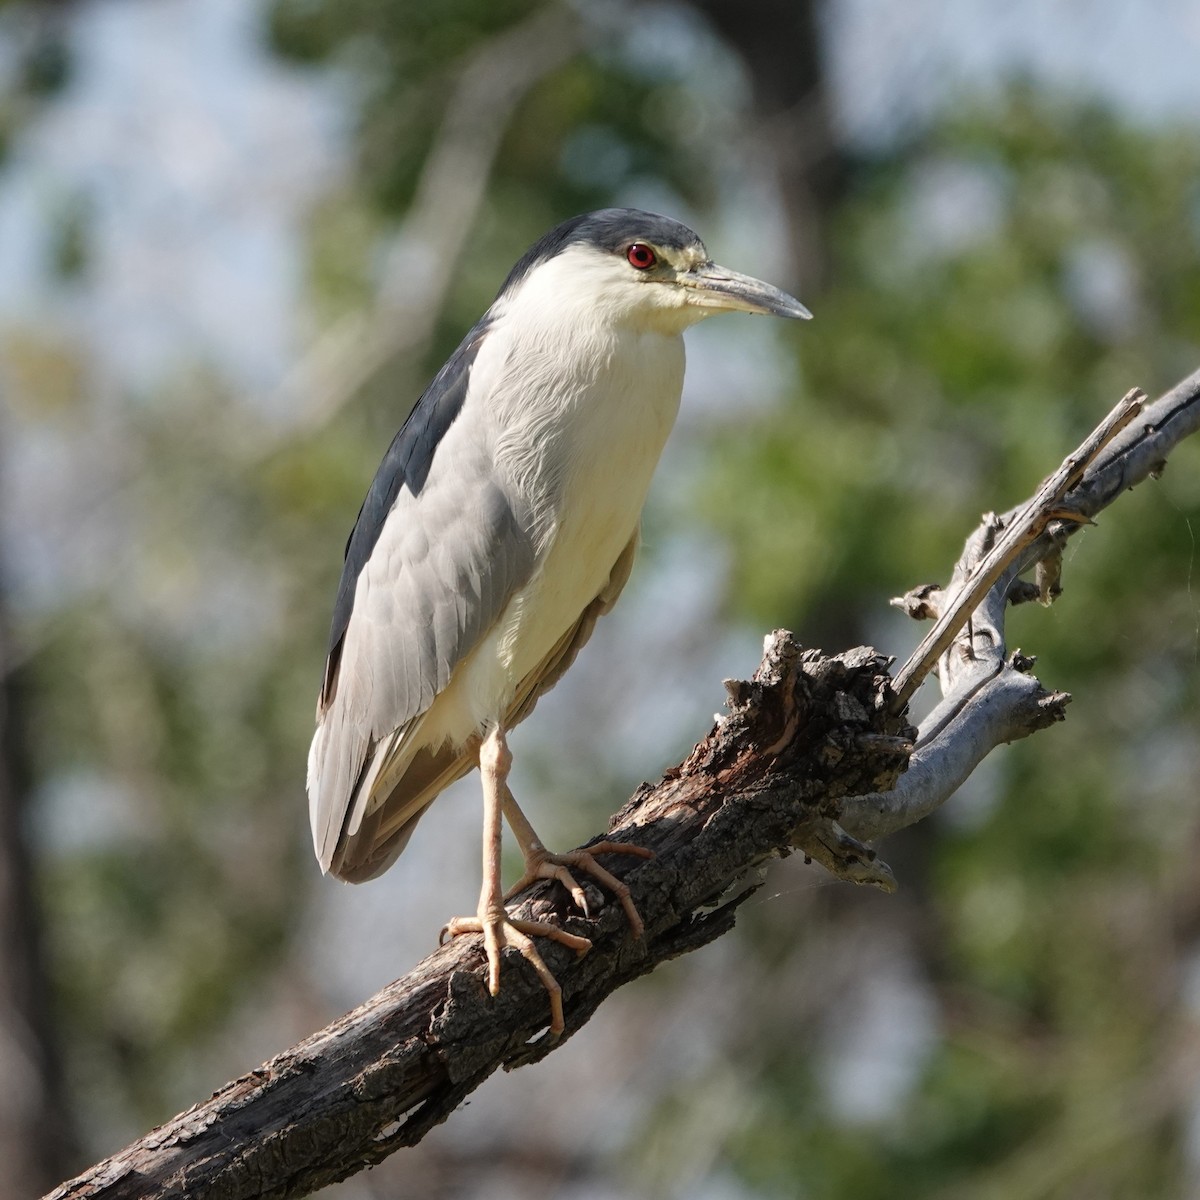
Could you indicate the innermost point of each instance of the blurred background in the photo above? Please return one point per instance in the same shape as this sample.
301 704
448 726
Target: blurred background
237 237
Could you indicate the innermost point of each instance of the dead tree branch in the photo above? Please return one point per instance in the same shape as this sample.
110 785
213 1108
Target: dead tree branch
988 696
811 757
382 1076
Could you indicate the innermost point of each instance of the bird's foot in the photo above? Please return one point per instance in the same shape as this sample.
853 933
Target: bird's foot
541 864
499 931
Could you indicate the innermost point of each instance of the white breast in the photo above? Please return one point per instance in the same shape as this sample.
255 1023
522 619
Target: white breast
579 447
615 435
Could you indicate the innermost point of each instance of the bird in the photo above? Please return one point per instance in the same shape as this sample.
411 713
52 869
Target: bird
502 523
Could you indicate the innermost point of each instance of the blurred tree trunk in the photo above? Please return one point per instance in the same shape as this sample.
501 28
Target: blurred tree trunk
37 1138
780 43
37 1146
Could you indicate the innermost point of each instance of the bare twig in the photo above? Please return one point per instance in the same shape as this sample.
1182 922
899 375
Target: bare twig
990 697
1008 705
1046 505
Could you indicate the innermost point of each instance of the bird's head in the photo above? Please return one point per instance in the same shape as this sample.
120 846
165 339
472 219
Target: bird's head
628 266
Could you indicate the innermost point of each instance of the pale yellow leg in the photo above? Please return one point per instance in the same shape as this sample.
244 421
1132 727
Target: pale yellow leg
491 919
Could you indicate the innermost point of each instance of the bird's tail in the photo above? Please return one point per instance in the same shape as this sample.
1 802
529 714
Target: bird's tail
360 833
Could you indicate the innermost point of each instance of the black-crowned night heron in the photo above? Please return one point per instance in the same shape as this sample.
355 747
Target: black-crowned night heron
502 523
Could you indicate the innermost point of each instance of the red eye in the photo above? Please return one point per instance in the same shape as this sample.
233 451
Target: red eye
641 256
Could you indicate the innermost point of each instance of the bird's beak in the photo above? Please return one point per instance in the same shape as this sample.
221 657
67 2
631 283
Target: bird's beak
711 286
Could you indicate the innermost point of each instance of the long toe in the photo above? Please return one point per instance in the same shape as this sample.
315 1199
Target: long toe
541 864
546 868
500 931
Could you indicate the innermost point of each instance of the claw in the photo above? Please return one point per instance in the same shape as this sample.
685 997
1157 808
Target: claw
541 864
500 931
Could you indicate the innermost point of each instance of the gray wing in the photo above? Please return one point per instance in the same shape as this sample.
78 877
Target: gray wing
385 830
407 464
436 555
